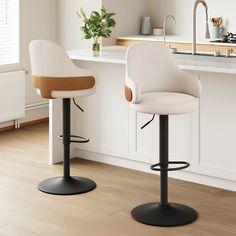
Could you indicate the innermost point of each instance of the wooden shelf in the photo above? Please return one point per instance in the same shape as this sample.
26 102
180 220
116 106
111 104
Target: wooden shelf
183 46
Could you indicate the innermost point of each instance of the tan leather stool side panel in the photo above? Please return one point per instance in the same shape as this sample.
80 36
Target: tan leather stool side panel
47 84
128 94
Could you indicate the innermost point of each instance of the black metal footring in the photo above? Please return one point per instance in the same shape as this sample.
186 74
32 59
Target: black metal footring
79 139
184 163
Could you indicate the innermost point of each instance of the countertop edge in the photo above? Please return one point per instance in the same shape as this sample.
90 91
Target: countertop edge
86 56
171 39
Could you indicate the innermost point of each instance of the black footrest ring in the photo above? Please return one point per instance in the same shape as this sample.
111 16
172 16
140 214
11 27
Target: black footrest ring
77 139
184 163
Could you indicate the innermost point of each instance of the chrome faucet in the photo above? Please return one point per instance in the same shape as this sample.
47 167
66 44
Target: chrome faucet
164 26
207 34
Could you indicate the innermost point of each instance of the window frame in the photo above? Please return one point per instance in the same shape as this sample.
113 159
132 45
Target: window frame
17 65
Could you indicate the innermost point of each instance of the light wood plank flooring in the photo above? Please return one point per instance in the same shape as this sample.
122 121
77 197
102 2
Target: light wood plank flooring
103 212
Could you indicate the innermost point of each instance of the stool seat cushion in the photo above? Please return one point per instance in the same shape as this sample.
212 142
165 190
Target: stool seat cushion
165 103
73 93
70 94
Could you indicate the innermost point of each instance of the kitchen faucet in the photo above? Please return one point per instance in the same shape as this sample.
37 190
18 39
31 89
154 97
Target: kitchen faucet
164 26
207 34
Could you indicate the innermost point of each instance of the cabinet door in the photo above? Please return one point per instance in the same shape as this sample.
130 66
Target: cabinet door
217 126
145 143
105 120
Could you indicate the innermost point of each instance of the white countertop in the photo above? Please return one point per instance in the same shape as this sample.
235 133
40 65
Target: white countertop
117 55
174 39
112 54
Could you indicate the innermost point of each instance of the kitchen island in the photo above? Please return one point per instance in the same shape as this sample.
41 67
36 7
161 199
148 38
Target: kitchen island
205 138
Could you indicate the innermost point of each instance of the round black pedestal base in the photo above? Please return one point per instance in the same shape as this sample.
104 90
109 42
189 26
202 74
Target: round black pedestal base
66 186
170 215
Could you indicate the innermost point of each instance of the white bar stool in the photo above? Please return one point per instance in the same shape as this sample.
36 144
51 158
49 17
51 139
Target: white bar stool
55 76
155 85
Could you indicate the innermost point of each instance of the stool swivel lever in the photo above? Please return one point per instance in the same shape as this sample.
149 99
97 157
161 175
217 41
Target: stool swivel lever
148 122
76 104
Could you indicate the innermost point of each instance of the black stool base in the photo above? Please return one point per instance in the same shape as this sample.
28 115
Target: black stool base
172 214
66 186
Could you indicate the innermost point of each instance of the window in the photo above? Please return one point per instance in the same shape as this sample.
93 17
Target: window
9 32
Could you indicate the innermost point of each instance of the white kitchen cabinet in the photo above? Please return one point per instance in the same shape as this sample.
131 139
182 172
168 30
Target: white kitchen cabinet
115 130
105 120
217 127
205 138
144 144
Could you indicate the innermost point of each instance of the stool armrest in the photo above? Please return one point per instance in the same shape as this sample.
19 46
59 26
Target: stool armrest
132 91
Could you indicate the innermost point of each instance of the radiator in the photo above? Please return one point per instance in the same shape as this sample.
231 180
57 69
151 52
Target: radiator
12 96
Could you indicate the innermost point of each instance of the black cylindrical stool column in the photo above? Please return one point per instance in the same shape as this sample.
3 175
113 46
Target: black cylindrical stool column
163 151
66 185
164 213
66 136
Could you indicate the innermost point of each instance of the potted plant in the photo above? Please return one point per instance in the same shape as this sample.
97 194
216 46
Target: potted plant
97 26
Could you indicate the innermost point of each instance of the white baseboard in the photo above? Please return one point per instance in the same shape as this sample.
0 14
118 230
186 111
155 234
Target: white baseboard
140 166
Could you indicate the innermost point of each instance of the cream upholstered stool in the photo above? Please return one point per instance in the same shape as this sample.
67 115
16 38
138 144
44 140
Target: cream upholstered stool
155 85
55 76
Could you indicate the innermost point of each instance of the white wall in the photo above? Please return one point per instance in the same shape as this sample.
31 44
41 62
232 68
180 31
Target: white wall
56 20
37 21
182 10
128 17
68 31
128 14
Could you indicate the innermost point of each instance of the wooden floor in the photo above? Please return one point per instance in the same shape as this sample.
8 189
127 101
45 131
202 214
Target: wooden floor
103 212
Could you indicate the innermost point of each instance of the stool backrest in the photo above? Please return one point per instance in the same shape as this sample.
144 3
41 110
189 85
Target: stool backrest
49 59
152 67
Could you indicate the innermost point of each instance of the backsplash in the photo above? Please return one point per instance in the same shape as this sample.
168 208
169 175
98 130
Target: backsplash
183 10
129 13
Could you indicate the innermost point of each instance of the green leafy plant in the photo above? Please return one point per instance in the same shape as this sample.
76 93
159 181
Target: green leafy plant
97 25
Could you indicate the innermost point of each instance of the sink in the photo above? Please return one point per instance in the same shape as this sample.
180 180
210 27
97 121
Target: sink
205 60
190 54
203 54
